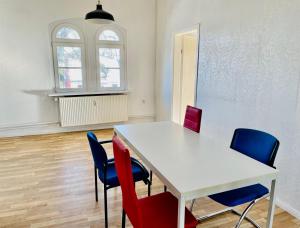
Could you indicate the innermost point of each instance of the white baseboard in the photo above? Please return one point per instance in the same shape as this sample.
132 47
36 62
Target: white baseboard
288 208
54 127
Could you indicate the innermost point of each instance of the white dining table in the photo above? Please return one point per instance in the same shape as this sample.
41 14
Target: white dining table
194 165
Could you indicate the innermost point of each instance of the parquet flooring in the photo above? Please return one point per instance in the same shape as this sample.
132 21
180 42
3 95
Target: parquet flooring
47 181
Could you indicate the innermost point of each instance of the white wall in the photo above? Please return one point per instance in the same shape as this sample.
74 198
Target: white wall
249 73
26 73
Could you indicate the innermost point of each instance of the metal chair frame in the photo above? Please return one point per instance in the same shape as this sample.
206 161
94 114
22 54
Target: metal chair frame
243 215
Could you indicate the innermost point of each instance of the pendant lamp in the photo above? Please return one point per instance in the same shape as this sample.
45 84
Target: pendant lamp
99 16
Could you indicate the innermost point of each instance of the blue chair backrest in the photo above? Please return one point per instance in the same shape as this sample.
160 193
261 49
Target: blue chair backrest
99 154
256 144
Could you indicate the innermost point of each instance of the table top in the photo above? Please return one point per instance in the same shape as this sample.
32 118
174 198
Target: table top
192 165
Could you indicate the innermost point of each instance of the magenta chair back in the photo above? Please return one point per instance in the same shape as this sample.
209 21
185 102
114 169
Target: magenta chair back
192 119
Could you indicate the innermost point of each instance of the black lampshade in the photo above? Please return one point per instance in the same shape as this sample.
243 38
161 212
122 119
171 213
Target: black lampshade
99 16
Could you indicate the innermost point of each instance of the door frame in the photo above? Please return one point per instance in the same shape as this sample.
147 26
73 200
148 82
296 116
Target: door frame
194 28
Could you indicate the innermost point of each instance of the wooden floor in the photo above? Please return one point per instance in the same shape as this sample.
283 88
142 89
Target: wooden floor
47 181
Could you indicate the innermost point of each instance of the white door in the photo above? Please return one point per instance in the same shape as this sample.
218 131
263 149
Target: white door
185 74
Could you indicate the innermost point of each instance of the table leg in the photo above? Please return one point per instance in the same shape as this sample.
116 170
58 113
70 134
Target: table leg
271 205
181 212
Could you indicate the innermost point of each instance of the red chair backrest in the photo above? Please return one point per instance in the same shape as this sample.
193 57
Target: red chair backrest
192 119
124 172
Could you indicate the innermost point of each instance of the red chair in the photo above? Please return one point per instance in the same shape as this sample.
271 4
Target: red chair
158 211
192 119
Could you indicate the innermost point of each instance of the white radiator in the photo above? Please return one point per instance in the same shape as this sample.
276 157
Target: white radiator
78 111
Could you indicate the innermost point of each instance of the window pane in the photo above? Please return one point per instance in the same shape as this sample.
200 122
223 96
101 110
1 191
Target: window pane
111 79
70 78
69 56
110 73
67 33
109 35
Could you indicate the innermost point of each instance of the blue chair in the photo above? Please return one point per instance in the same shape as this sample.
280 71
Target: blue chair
260 146
105 168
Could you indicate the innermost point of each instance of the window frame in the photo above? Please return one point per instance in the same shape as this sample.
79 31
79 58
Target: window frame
59 42
121 44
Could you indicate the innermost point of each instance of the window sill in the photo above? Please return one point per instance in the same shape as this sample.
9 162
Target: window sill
80 94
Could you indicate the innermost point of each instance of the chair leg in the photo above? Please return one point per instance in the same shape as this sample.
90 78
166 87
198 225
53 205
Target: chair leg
214 214
244 215
226 210
192 205
96 184
149 188
123 219
150 183
105 207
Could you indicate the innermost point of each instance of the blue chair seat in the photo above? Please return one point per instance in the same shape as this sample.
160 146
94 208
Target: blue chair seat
139 174
240 196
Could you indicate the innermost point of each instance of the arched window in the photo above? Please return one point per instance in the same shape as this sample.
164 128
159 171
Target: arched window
111 59
69 56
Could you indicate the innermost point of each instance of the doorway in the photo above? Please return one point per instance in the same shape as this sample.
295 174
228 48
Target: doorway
185 71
